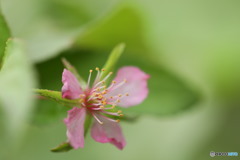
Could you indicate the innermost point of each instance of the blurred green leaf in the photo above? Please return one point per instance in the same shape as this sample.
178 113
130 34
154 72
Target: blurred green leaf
49 26
16 83
125 25
57 97
4 32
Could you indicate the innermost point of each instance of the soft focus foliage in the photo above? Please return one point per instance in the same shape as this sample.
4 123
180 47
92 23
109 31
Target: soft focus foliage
190 49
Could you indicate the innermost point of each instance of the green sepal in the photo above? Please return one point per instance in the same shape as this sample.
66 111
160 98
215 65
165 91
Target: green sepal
72 69
113 58
57 97
87 123
63 147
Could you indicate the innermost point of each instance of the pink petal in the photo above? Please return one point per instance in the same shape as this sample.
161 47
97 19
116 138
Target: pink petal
136 86
71 88
75 127
108 132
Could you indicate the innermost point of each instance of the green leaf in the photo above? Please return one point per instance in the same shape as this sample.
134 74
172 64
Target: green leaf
113 59
57 97
4 32
16 82
50 26
114 32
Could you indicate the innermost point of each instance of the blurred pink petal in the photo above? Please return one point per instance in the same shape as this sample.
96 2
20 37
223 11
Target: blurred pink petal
71 88
108 132
75 127
135 86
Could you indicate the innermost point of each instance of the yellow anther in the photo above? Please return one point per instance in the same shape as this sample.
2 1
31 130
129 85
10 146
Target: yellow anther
124 80
81 95
110 73
104 102
103 70
81 100
104 92
113 106
118 100
100 96
119 95
90 71
103 82
97 69
120 115
111 97
118 120
102 107
127 94
119 111
114 82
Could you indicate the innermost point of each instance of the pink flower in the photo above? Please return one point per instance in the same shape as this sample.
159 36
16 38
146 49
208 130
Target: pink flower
128 88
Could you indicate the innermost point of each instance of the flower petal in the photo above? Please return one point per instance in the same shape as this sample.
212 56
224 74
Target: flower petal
108 132
75 127
71 88
136 86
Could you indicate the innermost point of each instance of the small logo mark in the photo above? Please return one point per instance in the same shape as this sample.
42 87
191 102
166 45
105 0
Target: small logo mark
212 154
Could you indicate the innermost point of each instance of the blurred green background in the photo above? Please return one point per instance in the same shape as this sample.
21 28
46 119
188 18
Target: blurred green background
191 49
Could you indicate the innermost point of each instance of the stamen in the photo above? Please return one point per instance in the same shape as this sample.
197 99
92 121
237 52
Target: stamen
100 96
109 74
110 113
104 102
101 73
92 96
97 118
89 78
119 84
112 84
82 95
110 119
96 85
97 77
102 81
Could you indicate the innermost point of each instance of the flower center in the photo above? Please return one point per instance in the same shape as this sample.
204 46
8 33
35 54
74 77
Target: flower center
100 100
